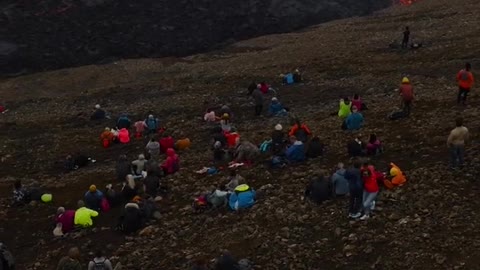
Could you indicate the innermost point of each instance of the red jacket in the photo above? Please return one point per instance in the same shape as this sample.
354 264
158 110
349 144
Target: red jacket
406 91
369 177
124 135
67 220
465 79
171 164
357 103
165 143
295 128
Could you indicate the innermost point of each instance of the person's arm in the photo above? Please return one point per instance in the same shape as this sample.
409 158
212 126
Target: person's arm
450 138
108 265
467 135
93 213
91 265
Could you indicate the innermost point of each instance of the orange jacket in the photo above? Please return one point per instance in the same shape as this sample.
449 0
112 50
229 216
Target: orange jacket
398 177
465 79
107 136
183 144
295 128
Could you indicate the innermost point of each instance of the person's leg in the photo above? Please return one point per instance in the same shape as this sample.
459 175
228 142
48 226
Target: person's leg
460 149
453 156
464 96
368 198
351 205
459 97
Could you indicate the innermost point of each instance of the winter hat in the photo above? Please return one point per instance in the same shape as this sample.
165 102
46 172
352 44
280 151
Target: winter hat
405 80
92 188
61 210
97 106
274 99
150 116
217 145
141 157
107 129
278 127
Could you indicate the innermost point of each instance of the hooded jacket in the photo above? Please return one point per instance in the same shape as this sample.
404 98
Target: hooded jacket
83 217
93 199
339 182
296 152
398 178
165 143
107 135
246 151
124 135
345 109
123 122
67 220
171 164
354 121
153 148
243 197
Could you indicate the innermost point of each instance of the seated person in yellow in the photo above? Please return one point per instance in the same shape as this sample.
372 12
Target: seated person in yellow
395 177
183 144
83 215
345 108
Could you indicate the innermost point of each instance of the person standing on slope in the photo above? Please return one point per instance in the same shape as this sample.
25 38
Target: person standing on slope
406 92
465 82
456 142
406 37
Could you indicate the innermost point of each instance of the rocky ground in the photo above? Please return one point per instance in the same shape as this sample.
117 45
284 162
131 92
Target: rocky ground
431 223
52 34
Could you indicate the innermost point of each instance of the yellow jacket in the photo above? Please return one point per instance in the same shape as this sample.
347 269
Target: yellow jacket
344 110
83 217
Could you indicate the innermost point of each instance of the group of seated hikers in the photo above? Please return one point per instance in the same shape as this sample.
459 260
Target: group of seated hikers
350 113
361 181
358 148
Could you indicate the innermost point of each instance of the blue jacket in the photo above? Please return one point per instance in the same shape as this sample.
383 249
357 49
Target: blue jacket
354 178
93 200
276 109
296 152
123 122
243 197
354 121
152 123
339 183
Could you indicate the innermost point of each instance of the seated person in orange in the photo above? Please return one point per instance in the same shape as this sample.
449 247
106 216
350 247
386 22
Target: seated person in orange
107 137
395 177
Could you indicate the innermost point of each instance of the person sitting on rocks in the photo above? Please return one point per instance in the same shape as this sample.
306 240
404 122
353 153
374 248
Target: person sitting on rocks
151 184
345 108
83 215
122 168
139 128
98 114
315 148
152 124
357 102
183 144
172 163
100 262
218 197
318 190
129 189
219 136
355 120
66 218
246 152
132 219
123 122
243 197
70 262
21 195
234 180
124 136
166 142
296 152
300 131
226 110
278 141
153 148
339 182
374 147
356 148
93 198
395 177
107 138
139 165
219 154
276 108
225 123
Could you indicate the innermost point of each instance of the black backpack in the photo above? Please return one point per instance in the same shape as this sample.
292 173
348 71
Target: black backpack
99 265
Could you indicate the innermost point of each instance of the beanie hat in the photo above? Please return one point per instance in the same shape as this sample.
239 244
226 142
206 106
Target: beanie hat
405 80
278 127
141 157
150 116
97 106
274 99
93 188
107 129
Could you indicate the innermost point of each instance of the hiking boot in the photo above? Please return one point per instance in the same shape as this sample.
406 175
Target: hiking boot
365 217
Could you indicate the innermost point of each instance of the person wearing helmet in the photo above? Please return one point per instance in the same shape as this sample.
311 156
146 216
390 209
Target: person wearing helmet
93 198
465 82
406 93
395 177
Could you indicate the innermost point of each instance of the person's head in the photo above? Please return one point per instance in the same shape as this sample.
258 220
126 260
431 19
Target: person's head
274 100
407 28
80 204
405 80
356 96
97 106
340 165
98 253
278 127
459 122
74 253
17 184
60 210
293 139
141 157
170 152
150 116
346 100
217 145
107 129
373 138
468 66
354 109
357 164
92 188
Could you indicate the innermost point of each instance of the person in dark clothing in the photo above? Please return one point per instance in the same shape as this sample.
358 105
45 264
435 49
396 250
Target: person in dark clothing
219 154
129 189
93 198
406 37
131 221
123 122
7 262
122 168
21 196
251 88
226 262
218 136
319 189
355 184
98 114
356 148
259 99
315 148
151 183
279 140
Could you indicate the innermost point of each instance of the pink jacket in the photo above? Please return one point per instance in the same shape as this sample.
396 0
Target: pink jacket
357 103
67 220
171 164
124 135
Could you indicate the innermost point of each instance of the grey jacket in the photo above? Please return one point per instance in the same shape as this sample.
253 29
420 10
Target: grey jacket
339 182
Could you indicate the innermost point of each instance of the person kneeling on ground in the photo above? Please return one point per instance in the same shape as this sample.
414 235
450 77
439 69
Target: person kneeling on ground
98 114
93 198
100 262
374 147
66 218
172 163
243 197
83 215
296 152
300 131
318 190
354 121
107 137
315 148
276 108
246 152
395 177
339 182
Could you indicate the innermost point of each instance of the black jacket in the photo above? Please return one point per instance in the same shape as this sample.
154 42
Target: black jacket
318 190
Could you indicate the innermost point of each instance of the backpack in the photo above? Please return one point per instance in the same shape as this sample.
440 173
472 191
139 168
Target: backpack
105 205
265 146
99 265
301 135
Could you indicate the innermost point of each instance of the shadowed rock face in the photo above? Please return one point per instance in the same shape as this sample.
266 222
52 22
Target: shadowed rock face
53 34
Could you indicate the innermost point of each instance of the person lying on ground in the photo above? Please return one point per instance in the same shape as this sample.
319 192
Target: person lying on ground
139 164
276 108
374 146
172 163
166 142
153 148
318 189
98 114
70 262
345 108
21 196
243 197
123 122
122 168
106 138
246 152
83 215
129 189
218 197
124 136
100 262
258 98
315 148
355 120
296 151
395 177
339 182
93 198
300 131
66 218
355 186
151 184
